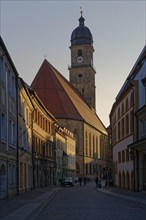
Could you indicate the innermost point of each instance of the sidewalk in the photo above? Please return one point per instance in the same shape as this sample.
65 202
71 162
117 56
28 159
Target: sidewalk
123 193
27 205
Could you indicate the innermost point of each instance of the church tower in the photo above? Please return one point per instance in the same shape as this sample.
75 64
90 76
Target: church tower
82 72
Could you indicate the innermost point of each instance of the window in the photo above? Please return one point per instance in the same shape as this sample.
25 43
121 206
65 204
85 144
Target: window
3 71
90 144
46 125
93 146
131 100
3 95
20 137
119 113
9 81
123 127
127 124
119 130
14 175
97 146
127 105
13 86
122 109
79 52
123 156
127 154
80 75
10 131
10 174
119 157
143 127
20 106
3 126
131 121
116 169
86 143
27 116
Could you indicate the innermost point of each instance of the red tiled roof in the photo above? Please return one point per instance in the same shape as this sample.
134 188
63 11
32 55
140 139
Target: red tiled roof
61 98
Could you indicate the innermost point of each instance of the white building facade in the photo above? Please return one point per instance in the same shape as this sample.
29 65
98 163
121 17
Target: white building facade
128 125
122 136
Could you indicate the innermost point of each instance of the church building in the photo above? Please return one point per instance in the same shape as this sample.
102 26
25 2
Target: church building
73 103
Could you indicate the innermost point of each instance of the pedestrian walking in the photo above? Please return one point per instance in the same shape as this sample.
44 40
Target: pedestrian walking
99 183
85 180
96 181
80 181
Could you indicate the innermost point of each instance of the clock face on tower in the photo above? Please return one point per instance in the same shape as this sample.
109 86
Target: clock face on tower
79 59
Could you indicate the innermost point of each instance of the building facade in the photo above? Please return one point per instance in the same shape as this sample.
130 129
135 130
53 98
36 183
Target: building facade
127 120
121 118
65 145
8 125
27 136
59 146
138 147
43 148
25 125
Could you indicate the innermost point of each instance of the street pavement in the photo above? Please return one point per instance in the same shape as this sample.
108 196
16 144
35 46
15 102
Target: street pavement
76 203
22 206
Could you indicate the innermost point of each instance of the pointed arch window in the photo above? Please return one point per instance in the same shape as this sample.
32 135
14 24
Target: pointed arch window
79 52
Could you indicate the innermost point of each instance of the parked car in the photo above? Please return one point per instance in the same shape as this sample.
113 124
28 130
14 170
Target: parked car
67 182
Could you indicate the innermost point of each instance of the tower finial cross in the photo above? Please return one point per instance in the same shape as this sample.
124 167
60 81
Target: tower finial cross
45 56
81 11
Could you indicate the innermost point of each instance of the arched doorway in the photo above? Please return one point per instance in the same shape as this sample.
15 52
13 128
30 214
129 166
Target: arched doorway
3 182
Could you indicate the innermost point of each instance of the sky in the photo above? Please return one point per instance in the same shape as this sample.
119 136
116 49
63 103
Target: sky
34 30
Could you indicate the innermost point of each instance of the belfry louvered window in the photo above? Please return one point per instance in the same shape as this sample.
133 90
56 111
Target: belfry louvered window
79 52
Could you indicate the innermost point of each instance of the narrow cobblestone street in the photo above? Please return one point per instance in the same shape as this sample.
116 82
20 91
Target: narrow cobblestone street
76 203
88 203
